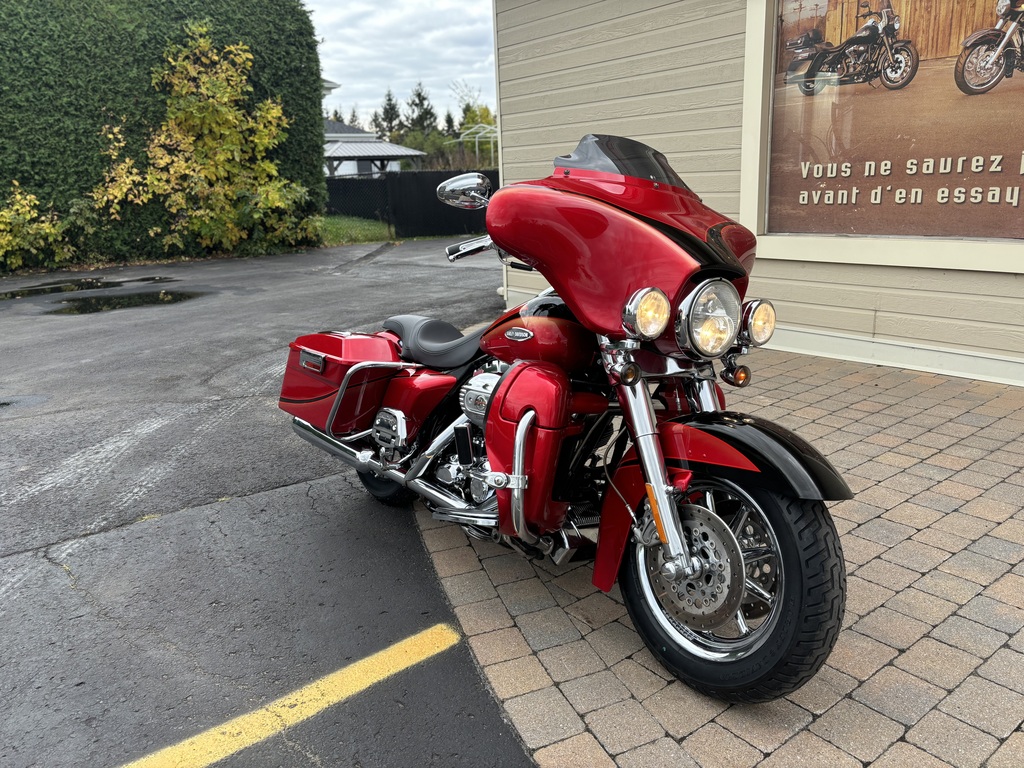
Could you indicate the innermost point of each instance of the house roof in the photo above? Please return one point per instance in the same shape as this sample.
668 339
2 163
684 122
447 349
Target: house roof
334 128
368 150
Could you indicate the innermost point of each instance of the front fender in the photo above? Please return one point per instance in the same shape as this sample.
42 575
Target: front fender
983 35
745 449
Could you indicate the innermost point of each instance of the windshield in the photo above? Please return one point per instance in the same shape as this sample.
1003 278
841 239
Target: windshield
615 154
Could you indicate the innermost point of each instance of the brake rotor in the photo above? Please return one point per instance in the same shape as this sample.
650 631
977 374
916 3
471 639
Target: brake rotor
712 597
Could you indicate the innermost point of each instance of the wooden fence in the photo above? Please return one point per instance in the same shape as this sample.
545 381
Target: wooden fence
936 27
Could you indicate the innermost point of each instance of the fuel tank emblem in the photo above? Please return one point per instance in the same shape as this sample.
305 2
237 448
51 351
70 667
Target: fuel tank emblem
518 334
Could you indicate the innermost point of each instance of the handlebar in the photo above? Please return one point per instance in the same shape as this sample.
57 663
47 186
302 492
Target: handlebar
468 248
477 245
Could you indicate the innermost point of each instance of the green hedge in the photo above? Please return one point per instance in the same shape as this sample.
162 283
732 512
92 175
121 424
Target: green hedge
71 66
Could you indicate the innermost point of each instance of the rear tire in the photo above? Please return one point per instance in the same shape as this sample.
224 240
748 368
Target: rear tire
811 83
791 610
386 491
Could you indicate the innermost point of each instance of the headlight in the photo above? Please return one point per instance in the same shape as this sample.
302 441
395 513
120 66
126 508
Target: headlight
647 313
758 322
709 319
896 23
1002 7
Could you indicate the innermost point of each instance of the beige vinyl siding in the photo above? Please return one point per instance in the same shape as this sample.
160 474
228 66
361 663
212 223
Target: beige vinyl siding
669 74
956 310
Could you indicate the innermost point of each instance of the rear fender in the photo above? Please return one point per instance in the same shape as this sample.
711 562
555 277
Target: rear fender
733 446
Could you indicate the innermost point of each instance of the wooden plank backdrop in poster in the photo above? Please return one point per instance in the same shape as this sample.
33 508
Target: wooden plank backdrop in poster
926 160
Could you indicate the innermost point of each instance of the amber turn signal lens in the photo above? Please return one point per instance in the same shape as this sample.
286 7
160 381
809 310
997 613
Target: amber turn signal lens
738 377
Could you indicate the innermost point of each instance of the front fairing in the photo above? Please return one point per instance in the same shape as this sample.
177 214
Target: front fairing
598 235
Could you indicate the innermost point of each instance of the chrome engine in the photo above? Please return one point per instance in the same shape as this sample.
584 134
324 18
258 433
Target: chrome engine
476 396
465 471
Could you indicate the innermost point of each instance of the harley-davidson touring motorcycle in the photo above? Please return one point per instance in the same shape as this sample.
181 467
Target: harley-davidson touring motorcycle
589 422
989 55
872 52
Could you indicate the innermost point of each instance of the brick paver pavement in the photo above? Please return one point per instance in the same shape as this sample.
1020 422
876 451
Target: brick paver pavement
929 667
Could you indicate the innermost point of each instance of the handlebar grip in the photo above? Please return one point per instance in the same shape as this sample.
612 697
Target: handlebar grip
466 248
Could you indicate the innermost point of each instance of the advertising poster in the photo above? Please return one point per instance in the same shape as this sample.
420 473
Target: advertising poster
885 123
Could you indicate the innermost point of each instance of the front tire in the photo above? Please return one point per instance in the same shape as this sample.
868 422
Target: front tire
771 636
901 71
974 73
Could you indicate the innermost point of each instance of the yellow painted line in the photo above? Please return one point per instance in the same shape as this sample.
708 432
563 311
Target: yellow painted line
223 740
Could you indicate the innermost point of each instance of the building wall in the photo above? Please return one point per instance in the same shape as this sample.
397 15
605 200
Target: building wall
671 74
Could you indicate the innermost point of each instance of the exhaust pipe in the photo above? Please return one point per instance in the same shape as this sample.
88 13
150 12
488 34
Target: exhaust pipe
364 461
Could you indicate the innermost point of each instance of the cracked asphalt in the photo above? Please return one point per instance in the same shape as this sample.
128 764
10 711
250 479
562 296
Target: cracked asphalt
172 556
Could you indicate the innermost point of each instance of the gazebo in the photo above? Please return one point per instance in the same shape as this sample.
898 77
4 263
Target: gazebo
366 154
378 154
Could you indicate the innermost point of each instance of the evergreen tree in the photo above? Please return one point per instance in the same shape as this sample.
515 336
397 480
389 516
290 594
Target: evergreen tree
421 116
389 123
336 116
449 125
353 118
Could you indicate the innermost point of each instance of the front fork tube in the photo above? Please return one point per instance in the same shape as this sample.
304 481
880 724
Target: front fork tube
636 400
888 50
1006 40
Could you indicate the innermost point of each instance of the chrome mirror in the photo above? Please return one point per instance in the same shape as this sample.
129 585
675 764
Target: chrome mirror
469 191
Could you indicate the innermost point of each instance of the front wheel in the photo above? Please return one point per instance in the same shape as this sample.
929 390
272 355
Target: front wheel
901 70
977 71
766 611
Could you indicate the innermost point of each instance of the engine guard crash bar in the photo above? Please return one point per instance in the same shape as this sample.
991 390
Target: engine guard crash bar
344 387
519 473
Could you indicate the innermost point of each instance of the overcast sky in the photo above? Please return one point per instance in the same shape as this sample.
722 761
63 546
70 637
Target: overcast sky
368 47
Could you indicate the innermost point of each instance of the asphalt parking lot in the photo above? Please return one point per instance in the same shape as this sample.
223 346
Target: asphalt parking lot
173 557
177 569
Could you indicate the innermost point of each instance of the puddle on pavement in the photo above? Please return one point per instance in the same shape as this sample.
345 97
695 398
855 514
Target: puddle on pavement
82 284
90 304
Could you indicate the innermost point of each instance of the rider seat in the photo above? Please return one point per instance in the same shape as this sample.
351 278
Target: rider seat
434 343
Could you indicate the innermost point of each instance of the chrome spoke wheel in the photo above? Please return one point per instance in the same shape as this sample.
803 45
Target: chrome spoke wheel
727 610
982 67
978 70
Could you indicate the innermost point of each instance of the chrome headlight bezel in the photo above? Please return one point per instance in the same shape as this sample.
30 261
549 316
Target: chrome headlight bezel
1002 6
753 322
693 314
636 320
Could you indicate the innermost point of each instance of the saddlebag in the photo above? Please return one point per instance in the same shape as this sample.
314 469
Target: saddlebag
318 365
807 40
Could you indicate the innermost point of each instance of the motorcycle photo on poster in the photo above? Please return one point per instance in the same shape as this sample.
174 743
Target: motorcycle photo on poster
886 119
590 422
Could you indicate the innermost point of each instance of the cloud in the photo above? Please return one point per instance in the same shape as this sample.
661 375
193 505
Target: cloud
368 47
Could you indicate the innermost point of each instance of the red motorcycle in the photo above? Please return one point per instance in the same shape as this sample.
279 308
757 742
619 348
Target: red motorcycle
589 422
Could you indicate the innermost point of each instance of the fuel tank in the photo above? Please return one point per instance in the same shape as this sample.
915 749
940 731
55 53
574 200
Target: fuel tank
543 330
